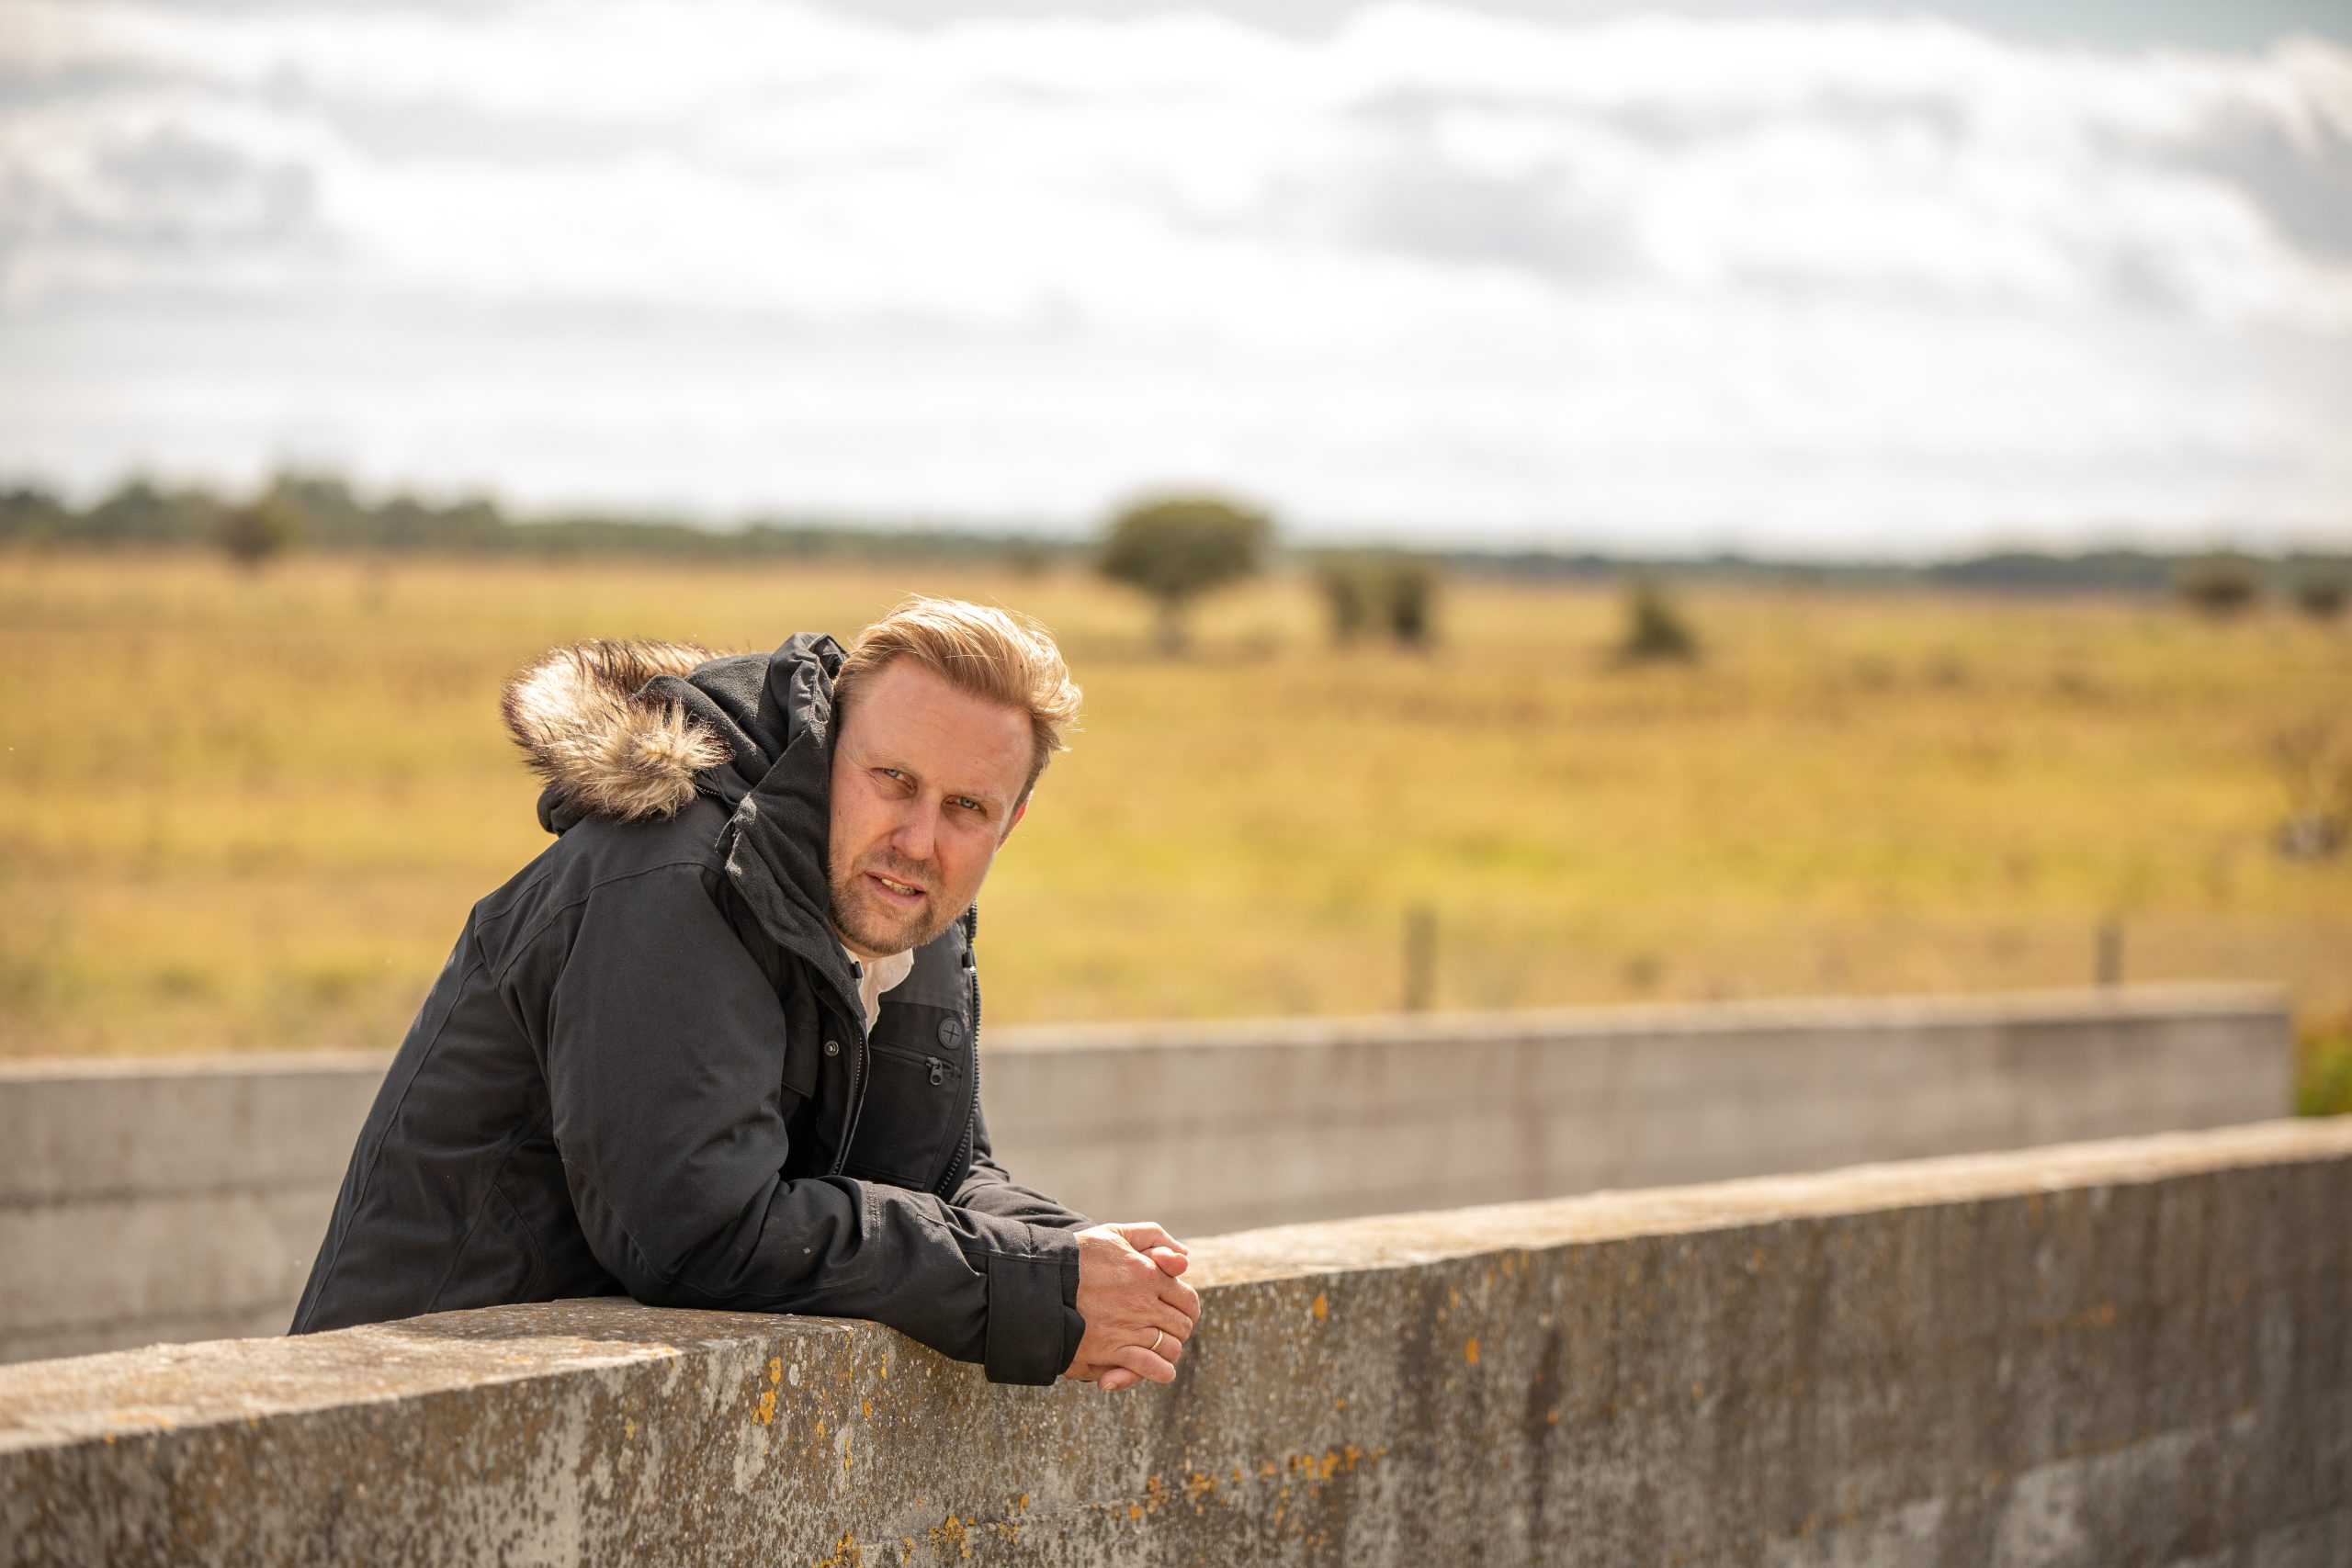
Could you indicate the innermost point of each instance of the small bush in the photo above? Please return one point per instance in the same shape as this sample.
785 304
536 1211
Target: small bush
1346 597
2322 598
1391 595
1654 629
2219 585
2313 761
2323 1067
1409 601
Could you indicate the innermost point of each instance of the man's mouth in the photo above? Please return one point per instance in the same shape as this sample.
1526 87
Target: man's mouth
901 892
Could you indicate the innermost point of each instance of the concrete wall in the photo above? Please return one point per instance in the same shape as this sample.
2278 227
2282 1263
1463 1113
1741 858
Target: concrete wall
169 1198
181 1199
2135 1352
1217 1127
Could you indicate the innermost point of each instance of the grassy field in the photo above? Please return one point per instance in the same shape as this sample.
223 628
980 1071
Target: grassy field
242 812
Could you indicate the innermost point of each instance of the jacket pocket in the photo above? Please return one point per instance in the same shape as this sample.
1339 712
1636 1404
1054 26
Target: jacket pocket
915 1104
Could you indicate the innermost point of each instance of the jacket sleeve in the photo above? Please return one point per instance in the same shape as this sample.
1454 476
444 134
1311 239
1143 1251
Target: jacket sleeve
665 1047
988 1190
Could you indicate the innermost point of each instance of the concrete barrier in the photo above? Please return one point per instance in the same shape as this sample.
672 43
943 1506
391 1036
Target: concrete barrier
2128 1352
172 1199
179 1199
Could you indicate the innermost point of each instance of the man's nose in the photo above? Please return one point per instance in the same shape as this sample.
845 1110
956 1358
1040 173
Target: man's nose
914 836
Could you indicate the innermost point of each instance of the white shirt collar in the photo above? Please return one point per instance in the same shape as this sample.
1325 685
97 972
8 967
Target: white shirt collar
876 976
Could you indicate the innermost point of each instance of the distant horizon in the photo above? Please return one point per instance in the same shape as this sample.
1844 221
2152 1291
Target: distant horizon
1562 543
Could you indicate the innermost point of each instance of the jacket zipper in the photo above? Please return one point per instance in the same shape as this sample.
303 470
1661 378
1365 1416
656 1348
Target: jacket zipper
856 1093
972 1111
938 1071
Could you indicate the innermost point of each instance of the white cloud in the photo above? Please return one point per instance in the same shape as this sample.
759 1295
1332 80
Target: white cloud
1788 280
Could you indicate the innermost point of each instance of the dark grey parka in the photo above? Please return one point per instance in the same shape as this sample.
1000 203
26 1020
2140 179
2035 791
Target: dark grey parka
644 1068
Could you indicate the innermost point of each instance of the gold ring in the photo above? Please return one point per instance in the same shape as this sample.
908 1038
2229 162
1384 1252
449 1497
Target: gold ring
1157 1336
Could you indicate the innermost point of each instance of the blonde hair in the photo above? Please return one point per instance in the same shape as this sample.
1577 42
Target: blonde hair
996 655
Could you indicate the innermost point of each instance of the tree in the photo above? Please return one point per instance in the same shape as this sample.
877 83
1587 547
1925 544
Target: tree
270 525
1176 547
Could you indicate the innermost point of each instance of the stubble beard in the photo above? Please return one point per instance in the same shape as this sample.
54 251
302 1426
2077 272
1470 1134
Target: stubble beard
857 923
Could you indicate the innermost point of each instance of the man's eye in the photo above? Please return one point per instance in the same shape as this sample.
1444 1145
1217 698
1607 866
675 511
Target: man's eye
969 804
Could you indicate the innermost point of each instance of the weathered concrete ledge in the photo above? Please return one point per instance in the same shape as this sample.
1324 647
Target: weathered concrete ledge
2134 1352
184 1199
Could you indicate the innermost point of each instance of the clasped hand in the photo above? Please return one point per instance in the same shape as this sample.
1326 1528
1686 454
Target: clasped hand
1139 1313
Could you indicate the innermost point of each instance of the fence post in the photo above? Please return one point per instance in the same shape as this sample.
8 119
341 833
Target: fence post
1420 957
2110 951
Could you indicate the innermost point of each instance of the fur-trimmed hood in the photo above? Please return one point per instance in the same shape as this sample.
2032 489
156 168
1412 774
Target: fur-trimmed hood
633 732
603 742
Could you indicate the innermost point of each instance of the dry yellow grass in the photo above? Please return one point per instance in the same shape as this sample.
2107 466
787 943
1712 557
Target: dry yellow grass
251 812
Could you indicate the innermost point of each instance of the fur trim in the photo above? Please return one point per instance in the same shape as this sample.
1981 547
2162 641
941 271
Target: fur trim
575 711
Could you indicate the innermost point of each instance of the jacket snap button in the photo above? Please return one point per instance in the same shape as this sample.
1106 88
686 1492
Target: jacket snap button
949 1028
833 1047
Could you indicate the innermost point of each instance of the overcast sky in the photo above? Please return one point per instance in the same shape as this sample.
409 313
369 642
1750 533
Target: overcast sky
1828 278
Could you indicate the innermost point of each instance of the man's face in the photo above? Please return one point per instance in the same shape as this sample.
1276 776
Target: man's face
926 781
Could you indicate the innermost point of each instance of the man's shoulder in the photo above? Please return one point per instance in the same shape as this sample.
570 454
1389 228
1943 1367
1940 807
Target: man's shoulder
603 854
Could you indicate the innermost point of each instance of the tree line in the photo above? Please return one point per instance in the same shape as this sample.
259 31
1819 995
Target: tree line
1186 544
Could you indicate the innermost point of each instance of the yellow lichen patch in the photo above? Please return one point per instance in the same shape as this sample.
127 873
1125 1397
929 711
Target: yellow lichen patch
628 1427
869 1410
776 1369
846 1553
1340 1402
848 1442
1470 1351
1197 1485
1322 1307
951 1535
1552 1417
1022 1501
767 1412
1135 1510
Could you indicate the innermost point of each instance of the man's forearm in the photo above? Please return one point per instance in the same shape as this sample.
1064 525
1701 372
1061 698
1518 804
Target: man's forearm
989 1190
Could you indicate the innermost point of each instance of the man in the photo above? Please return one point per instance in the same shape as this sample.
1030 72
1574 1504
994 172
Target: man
714 1047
